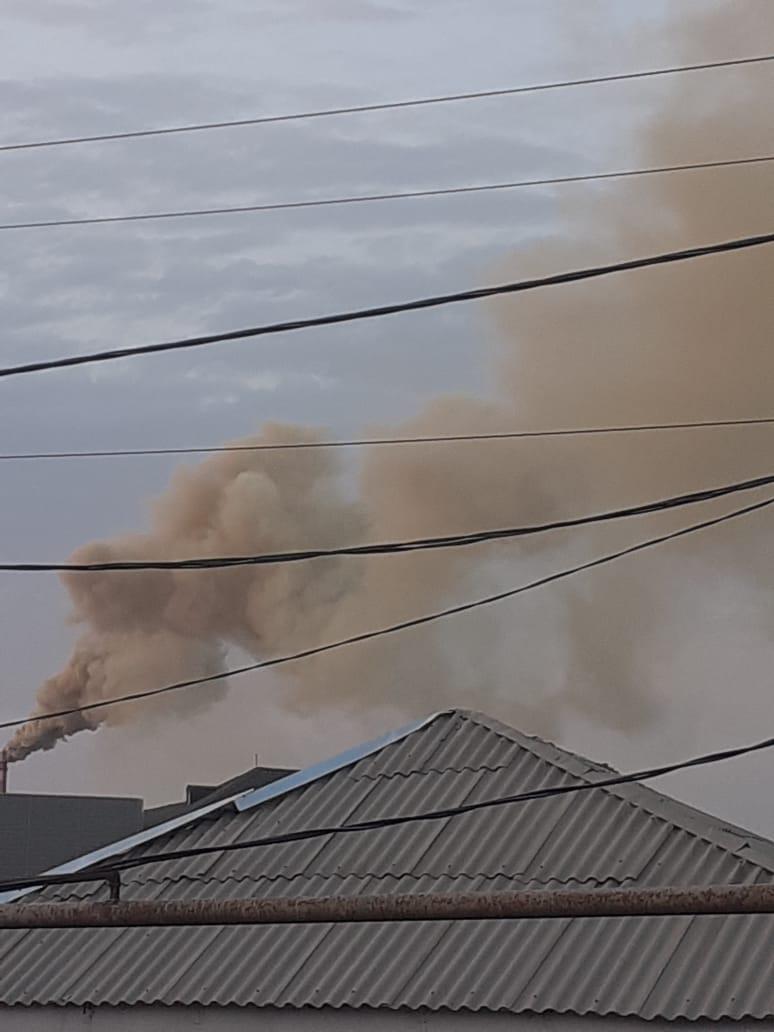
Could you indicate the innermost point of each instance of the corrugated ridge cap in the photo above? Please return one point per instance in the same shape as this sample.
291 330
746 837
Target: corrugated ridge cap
754 848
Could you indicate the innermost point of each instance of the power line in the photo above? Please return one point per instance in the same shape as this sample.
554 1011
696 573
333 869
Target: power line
396 547
327 202
455 811
397 627
372 442
102 871
387 106
357 315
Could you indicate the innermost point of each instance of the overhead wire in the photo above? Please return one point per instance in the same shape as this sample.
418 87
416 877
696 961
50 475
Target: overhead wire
356 315
620 779
399 195
395 547
387 105
469 295
445 813
373 442
105 870
395 628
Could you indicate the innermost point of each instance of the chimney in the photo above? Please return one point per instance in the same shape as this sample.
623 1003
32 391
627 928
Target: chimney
3 772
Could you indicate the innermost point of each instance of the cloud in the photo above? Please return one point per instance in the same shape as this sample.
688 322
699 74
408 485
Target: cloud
108 18
332 10
83 289
268 380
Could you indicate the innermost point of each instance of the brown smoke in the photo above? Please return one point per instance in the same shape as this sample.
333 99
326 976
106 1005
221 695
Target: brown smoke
681 343
151 627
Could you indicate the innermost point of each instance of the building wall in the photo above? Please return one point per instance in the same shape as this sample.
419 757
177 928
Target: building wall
41 831
247 1019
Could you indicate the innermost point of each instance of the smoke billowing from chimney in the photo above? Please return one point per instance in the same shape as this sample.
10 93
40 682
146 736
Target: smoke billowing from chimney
689 342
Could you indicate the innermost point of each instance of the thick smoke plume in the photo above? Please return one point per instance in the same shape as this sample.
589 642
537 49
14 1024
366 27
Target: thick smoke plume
688 342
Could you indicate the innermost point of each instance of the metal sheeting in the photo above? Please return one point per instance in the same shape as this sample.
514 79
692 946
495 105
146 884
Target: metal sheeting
704 967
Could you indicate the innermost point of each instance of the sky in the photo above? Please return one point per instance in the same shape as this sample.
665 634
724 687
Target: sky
90 66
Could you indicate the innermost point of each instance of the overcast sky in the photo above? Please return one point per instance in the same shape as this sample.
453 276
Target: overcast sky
90 66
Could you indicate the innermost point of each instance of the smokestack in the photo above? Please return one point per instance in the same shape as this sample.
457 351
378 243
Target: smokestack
3 772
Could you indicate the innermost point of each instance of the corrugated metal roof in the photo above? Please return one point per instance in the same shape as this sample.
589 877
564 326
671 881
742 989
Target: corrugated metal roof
703 967
220 801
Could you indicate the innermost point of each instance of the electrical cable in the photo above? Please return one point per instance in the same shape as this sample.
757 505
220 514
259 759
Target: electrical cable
388 105
102 871
419 621
396 547
451 811
372 442
327 202
356 315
